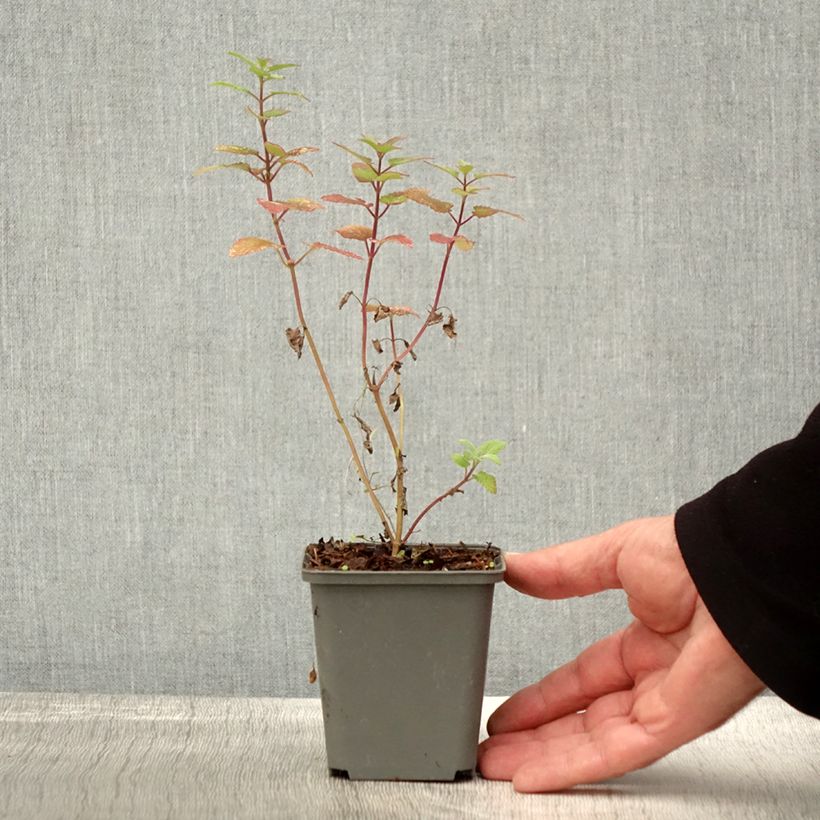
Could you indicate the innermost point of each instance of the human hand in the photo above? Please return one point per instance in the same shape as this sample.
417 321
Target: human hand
667 678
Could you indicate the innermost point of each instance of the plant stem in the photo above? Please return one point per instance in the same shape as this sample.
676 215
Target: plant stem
401 494
452 491
291 265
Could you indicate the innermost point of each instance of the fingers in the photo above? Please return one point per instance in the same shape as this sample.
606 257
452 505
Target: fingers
597 671
544 759
621 747
580 567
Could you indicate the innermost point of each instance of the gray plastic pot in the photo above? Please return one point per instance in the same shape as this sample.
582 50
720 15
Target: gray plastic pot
401 658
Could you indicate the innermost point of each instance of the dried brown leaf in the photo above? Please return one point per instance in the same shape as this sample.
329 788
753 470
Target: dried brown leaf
368 432
296 340
449 327
378 346
344 300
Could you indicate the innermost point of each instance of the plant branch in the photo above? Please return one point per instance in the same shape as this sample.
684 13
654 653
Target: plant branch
421 331
468 474
291 265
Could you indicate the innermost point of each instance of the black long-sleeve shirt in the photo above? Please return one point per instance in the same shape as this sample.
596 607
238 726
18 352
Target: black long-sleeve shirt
752 547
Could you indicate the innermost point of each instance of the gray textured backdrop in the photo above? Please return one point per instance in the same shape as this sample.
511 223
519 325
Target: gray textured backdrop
164 458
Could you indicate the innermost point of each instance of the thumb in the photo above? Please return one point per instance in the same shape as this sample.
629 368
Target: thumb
575 568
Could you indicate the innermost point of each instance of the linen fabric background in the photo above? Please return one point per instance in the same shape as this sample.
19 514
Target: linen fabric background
164 458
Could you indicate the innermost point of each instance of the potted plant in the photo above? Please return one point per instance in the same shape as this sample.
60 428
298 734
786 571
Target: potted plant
401 627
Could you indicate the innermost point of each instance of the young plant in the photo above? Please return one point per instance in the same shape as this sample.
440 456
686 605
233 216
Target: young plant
381 174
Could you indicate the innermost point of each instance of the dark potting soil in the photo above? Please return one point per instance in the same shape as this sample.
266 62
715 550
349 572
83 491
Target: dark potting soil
341 555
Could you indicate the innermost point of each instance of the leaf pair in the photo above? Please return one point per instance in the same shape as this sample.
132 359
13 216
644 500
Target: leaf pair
472 455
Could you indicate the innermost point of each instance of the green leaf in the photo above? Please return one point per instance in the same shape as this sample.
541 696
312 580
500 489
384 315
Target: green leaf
490 457
252 66
468 191
461 460
386 176
236 149
447 170
493 445
470 450
393 199
402 161
486 480
484 176
274 112
482 211
223 84
356 154
381 147
274 149
241 166
364 172
280 66
286 93
464 167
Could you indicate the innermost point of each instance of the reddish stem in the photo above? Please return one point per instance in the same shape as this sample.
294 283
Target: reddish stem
452 491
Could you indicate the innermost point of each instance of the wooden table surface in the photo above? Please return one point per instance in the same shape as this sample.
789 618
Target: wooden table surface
107 756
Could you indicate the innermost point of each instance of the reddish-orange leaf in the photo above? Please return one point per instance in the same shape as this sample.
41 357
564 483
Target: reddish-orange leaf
302 204
355 232
400 238
272 207
324 247
442 239
341 199
250 244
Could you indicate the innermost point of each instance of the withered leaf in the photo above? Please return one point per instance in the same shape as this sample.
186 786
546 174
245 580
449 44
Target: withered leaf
312 675
367 430
296 340
435 317
395 400
344 300
449 327
413 354
378 345
383 311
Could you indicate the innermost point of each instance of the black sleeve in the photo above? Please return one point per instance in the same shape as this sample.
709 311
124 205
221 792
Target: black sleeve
752 547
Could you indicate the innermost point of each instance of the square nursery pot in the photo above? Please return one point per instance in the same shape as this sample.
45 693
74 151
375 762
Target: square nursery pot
401 658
